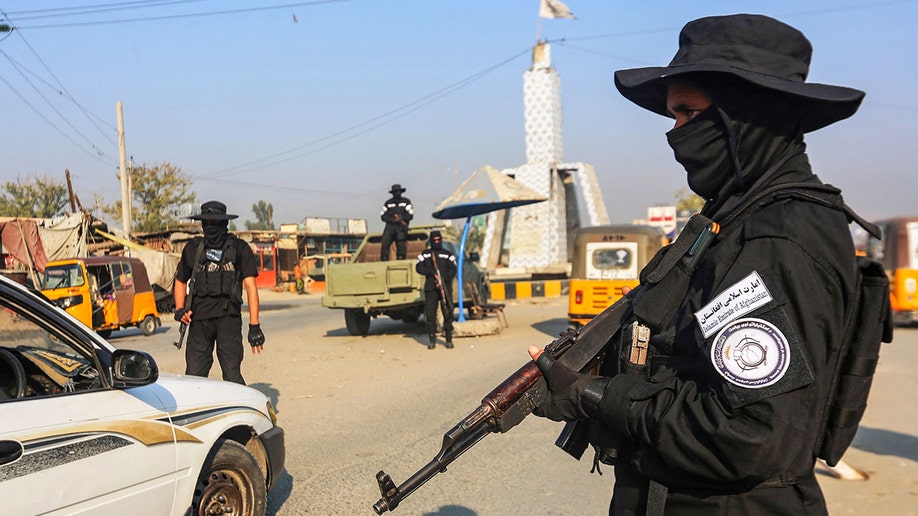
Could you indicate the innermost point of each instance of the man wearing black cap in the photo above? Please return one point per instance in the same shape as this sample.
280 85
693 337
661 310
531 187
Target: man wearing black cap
397 212
438 264
217 266
725 417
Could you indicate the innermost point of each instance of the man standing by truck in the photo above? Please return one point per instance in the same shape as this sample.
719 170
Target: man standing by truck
438 264
397 212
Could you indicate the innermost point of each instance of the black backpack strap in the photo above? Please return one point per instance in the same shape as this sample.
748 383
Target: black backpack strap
824 194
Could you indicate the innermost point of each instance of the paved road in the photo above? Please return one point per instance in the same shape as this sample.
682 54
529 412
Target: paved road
352 406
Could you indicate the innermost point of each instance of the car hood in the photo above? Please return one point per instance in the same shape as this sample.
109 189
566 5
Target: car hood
173 392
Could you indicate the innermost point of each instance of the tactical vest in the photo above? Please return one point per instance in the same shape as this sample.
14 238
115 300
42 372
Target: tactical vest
215 273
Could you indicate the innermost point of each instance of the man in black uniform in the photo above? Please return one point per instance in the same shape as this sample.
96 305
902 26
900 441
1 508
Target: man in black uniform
437 263
397 212
724 418
217 267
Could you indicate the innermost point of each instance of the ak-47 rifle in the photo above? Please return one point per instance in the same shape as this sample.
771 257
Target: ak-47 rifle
189 297
445 302
581 350
184 327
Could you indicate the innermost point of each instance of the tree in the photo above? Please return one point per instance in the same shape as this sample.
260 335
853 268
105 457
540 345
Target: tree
264 213
157 192
35 197
688 200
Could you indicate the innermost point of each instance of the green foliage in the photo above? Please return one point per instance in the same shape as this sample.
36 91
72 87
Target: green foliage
35 197
688 200
157 192
264 213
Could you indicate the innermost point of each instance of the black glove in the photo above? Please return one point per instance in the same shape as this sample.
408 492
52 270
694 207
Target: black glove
256 336
179 313
565 387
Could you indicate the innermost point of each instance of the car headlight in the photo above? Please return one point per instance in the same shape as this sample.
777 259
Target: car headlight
67 302
271 413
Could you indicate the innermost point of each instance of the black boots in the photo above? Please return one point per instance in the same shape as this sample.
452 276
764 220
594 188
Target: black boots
432 342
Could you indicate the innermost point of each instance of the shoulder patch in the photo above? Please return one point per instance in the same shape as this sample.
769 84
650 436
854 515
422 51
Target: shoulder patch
751 353
733 302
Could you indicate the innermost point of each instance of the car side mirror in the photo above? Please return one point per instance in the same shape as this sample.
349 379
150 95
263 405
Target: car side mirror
474 256
133 369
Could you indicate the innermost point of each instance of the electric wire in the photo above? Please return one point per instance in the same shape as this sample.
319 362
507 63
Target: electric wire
368 125
183 15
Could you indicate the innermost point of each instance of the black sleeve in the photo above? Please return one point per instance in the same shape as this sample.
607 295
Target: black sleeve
424 265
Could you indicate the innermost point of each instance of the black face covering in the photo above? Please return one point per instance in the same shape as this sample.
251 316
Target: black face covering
745 135
215 233
700 146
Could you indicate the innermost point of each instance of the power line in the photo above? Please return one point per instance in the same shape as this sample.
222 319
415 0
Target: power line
371 124
184 15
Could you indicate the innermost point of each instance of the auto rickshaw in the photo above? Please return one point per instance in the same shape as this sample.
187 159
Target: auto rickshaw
606 260
104 292
897 250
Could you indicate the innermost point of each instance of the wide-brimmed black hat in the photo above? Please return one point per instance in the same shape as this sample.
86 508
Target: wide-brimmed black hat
213 210
758 49
397 188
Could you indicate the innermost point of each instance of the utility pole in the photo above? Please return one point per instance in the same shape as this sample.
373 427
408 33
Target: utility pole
125 179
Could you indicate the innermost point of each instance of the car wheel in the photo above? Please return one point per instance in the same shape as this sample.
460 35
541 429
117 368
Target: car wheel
357 321
104 333
148 325
231 482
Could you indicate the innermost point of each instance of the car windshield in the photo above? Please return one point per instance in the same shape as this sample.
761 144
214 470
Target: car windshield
35 361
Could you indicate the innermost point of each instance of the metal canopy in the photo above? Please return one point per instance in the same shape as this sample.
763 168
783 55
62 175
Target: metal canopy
485 191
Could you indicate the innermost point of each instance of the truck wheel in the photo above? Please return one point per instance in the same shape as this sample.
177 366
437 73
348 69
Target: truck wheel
148 325
231 482
104 333
357 321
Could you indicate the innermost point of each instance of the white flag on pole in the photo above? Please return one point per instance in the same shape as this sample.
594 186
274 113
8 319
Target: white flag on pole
554 9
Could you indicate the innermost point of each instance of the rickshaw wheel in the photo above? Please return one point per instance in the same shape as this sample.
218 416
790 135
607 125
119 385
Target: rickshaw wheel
148 325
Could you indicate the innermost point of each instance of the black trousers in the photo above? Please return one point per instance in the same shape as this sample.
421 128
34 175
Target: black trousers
431 302
400 236
224 333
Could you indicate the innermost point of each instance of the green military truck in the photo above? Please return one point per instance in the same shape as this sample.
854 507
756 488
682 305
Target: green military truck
366 287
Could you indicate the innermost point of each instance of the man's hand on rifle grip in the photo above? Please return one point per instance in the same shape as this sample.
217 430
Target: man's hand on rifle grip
183 316
565 389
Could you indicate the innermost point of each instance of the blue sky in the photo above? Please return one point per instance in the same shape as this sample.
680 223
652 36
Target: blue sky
319 107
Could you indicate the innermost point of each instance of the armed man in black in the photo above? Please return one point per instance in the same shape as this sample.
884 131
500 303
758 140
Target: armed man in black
397 212
438 264
725 416
217 267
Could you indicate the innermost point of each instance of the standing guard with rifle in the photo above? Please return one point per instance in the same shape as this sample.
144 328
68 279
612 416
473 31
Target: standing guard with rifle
213 271
397 213
748 348
438 264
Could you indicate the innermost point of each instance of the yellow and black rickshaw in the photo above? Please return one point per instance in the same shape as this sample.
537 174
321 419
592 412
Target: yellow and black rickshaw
606 260
104 292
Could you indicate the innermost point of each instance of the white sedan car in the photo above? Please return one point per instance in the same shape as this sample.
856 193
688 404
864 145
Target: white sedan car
89 429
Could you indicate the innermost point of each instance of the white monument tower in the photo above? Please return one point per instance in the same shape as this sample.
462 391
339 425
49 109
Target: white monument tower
534 238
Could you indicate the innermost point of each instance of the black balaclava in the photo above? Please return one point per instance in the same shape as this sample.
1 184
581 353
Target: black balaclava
436 240
215 232
746 133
